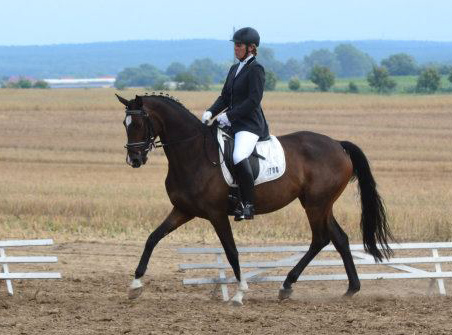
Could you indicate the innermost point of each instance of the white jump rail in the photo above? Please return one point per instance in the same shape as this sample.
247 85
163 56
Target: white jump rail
6 260
360 258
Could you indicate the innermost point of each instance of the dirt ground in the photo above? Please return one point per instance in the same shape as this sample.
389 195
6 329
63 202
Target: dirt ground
92 299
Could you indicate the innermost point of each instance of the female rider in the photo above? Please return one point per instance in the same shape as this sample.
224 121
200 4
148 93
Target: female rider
241 97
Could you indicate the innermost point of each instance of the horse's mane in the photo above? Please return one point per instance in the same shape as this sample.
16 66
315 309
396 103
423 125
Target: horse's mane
173 101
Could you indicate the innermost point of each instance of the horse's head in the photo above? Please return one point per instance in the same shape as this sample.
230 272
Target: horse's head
140 132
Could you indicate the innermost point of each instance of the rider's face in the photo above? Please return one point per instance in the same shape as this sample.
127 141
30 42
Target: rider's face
240 50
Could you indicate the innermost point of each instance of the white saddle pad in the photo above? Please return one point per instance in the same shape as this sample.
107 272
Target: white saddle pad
271 168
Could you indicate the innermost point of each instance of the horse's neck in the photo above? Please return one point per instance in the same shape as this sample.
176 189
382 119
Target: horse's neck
177 124
181 136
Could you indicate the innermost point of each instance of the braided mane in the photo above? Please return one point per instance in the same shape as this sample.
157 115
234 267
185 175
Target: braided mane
172 101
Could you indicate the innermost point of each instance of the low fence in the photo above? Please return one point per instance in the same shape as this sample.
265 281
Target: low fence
5 261
360 258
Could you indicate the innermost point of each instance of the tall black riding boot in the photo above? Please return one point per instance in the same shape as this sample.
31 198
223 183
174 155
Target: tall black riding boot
245 180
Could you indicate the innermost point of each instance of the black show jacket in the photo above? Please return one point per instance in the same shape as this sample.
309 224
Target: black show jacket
242 95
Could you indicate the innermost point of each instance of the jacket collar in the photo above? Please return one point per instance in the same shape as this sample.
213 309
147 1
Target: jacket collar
244 67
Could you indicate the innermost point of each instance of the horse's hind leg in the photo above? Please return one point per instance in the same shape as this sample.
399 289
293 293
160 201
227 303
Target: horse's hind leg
340 241
317 217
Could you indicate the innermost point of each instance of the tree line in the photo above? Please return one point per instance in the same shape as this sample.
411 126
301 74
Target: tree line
322 66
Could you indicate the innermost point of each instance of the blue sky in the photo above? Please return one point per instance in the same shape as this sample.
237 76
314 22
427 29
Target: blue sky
32 22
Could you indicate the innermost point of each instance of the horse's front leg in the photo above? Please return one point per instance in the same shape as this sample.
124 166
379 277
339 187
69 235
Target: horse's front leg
174 220
224 232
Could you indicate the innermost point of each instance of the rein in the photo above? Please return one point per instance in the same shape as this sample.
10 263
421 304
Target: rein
151 142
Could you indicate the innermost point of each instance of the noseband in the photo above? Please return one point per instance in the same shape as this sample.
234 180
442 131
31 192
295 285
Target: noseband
149 143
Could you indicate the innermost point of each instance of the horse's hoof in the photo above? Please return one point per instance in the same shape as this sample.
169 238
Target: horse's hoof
135 292
350 293
135 289
237 299
285 293
236 302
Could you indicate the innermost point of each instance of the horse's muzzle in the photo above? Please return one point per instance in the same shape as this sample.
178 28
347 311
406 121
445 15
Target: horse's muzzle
136 160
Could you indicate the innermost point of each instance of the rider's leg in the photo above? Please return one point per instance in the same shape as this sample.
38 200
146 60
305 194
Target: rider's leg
244 145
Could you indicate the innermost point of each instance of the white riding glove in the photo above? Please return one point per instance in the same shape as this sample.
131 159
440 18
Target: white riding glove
223 120
206 116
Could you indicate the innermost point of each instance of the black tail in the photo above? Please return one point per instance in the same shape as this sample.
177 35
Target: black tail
374 225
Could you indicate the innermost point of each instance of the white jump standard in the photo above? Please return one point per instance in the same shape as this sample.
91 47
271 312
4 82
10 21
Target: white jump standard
361 259
6 260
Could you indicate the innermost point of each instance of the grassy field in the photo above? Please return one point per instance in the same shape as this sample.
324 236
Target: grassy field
63 171
404 85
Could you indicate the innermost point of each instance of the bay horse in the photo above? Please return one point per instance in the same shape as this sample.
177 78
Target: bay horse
318 168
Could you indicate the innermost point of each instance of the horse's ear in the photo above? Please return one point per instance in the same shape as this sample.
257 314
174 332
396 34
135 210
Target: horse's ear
139 101
125 102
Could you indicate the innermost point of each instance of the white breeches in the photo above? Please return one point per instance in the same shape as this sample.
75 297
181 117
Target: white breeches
245 142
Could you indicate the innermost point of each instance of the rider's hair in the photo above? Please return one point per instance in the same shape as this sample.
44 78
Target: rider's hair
253 49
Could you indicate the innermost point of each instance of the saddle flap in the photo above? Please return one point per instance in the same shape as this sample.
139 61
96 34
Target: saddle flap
267 160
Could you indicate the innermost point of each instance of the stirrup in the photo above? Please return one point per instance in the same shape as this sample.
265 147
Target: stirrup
248 211
238 212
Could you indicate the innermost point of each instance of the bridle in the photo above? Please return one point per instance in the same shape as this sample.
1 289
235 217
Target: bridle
150 142
151 137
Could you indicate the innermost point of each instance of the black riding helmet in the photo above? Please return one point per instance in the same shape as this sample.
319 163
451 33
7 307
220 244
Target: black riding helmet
247 36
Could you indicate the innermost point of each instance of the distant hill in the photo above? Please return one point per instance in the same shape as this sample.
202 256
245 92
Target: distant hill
109 58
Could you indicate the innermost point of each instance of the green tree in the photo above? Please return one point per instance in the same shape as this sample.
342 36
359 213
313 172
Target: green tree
21 83
352 87
266 57
292 68
400 64
187 82
379 79
270 81
145 75
205 71
353 62
322 57
175 68
450 76
428 81
41 84
322 77
24 83
294 84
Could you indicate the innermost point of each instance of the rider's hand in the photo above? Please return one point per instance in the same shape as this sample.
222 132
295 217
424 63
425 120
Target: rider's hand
206 116
223 120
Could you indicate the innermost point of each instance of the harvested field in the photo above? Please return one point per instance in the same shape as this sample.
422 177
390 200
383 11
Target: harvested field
63 176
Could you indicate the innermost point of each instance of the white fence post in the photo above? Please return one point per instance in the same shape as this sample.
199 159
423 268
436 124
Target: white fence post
441 287
224 287
8 276
9 285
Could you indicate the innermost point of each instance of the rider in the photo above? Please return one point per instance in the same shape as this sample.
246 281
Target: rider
241 97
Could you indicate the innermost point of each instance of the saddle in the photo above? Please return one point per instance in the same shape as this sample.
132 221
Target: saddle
267 162
229 144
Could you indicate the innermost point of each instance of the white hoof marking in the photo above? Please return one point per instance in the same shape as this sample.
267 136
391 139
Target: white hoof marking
237 299
136 283
135 289
243 285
